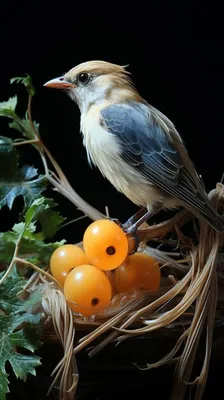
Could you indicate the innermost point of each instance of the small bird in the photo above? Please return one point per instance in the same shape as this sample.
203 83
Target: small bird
134 145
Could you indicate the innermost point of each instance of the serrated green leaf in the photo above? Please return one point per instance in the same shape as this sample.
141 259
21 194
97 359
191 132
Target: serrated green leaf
11 322
23 185
50 220
26 81
7 108
23 126
7 246
27 230
18 330
38 206
19 228
8 159
18 322
11 302
21 340
8 294
36 251
3 385
32 245
22 365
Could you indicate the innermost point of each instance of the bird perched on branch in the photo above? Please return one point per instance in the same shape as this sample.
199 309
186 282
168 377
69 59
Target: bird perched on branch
135 146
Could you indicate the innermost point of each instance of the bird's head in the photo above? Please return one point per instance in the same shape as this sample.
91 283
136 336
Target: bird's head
94 82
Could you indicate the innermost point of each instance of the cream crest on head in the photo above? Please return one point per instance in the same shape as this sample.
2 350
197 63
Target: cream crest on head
94 82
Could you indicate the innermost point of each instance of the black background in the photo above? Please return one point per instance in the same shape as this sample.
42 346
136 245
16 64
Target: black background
173 54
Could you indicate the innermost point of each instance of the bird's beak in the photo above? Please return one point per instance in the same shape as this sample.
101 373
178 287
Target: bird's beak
59 83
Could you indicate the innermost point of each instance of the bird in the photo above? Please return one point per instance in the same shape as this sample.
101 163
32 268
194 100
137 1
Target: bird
135 146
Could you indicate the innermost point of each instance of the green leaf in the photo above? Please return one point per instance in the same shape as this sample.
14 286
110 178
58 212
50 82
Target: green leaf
27 230
16 182
32 245
3 386
39 252
22 185
8 159
21 364
26 81
18 331
50 220
37 207
7 108
8 323
8 294
23 126
31 249
9 290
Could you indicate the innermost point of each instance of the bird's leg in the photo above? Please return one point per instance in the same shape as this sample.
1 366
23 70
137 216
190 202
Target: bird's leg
139 222
152 210
134 218
131 220
131 231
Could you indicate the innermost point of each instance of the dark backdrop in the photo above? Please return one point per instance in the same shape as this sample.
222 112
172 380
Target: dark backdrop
173 54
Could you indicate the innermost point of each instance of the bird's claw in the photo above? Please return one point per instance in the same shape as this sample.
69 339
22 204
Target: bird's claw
133 239
128 224
131 231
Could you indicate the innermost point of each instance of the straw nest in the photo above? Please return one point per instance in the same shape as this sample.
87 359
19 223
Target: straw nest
191 278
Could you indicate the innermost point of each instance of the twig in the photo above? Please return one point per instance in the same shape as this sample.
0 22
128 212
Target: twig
41 271
31 141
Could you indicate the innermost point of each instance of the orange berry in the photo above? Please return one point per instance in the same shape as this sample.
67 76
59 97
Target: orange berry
64 259
149 274
126 276
138 271
87 290
105 244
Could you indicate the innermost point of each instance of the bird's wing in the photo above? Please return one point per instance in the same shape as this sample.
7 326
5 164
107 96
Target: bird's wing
148 145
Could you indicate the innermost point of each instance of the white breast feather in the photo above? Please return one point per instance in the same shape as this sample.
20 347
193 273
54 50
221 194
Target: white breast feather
104 151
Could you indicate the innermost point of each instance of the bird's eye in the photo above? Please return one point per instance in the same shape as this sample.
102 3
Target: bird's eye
83 77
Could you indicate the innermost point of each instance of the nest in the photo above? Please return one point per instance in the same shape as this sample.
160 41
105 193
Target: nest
192 272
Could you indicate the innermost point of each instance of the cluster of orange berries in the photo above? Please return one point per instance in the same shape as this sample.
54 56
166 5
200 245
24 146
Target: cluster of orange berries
83 273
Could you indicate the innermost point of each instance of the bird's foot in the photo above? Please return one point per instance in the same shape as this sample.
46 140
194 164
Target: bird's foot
128 223
132 220
131 232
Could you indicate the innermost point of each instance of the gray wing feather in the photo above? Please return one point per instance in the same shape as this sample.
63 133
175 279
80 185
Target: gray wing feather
153 147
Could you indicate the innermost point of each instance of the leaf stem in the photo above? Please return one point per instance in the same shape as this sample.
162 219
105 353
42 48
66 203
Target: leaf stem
25 142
